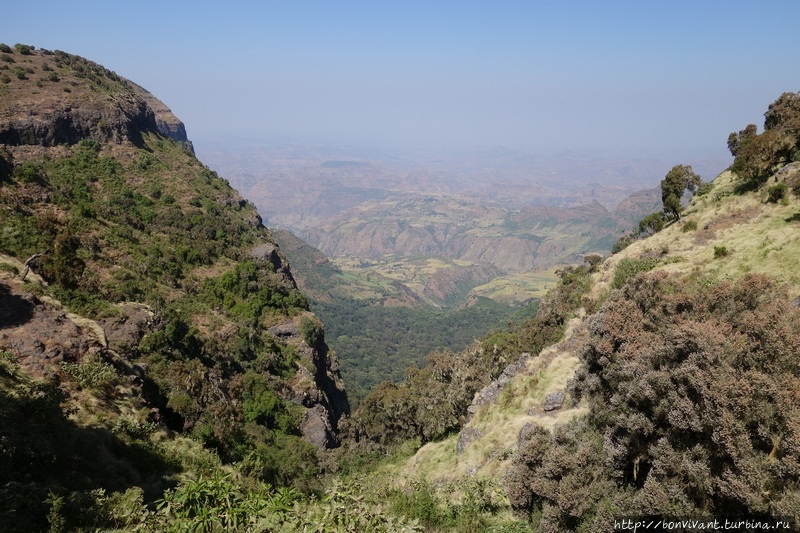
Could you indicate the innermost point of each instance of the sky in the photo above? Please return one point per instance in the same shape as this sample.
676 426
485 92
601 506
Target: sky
623 77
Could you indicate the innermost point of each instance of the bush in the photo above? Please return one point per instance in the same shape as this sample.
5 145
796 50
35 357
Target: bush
652 223
624 241
628 268
5 48
91 374
777 192
720 251
312 331
23 49
705 188
689 225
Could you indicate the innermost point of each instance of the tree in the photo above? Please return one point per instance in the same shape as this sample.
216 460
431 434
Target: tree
652 223
737 140
784 114
681 178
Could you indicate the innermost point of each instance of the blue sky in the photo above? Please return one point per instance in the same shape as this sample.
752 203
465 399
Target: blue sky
656 78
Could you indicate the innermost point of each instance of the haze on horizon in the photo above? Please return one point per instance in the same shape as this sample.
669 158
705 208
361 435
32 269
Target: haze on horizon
628 77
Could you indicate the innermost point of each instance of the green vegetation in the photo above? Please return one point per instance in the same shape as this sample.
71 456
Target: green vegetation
6 49
757 155
777 193
23 49
688 385
629 268
179 401
109 235
432 401
679 179
378 343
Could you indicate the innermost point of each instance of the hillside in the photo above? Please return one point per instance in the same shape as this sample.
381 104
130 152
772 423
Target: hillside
671 393
150 329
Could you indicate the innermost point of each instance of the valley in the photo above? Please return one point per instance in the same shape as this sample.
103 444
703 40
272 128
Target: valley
440 343
440 246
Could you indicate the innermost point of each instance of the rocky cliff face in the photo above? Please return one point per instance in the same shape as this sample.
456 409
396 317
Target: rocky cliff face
94 103
163 271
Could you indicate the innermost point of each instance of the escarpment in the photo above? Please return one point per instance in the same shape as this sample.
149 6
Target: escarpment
157 297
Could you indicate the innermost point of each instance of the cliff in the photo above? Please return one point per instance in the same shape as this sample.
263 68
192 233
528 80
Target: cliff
144 289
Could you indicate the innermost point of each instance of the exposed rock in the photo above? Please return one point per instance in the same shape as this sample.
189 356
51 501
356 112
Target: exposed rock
38 334
167 123
492 391
270 254
526 433
120 118
315 427
465 437
124 332
554 401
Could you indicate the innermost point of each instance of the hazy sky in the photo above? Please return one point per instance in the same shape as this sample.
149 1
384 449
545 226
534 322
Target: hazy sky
624 76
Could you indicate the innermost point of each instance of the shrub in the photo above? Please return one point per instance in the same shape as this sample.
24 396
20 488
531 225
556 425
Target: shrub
91 374
624 241
628 268
23 49
312 331
689 225
652 223
7 59
777 192
705 188
5 48
28 172
720 251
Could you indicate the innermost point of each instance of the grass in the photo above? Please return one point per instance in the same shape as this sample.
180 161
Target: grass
759 238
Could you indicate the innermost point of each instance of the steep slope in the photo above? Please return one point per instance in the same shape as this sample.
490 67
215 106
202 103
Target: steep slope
706 299
145 295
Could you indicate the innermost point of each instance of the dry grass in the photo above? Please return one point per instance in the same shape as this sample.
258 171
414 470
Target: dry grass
759 237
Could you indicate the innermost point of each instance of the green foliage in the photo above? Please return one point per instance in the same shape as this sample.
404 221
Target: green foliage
91 374
624 241
689 225
28 172
433 401
777 192
23 49
6 49
737 140
652 223
688 386
133 429
347 510
312 331
777 145
679 179
376 343
721 251
215 503
247 292
628 268
705 188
